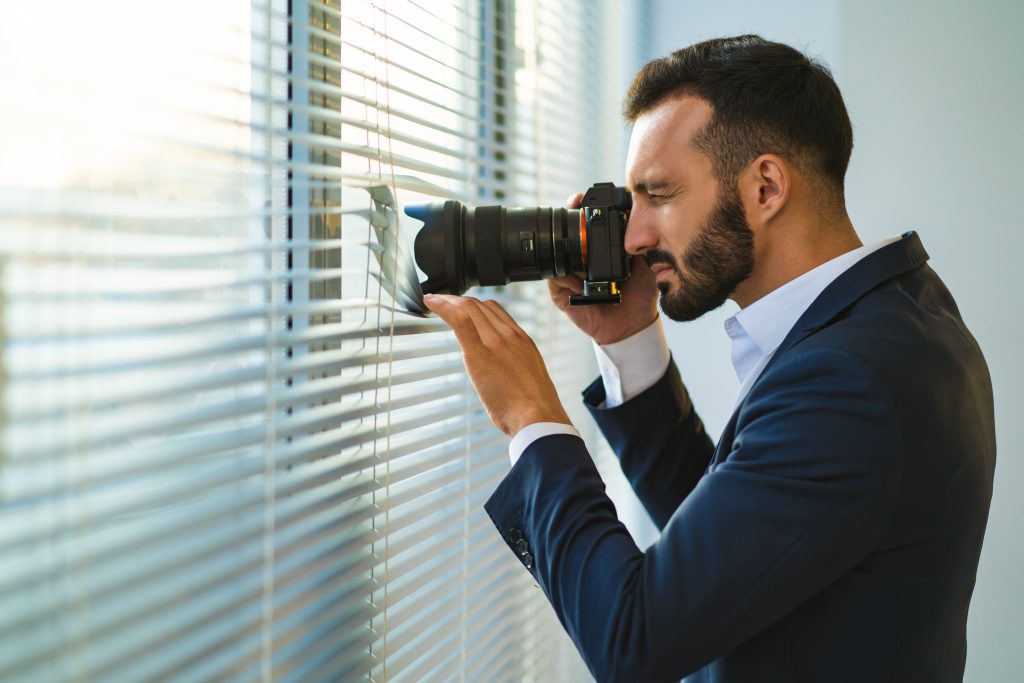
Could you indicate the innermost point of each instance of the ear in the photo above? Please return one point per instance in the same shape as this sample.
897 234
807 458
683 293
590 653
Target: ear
765 187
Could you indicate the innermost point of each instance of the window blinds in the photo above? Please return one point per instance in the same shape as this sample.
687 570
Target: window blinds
227 449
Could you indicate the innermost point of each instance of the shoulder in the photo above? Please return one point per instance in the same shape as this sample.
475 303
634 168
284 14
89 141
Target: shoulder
816 405
819 372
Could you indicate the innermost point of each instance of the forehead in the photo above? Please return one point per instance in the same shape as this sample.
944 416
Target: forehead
661 142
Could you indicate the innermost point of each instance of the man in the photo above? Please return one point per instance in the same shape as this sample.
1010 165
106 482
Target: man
834 533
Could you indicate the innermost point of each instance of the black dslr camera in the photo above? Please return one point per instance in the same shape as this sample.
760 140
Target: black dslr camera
459 247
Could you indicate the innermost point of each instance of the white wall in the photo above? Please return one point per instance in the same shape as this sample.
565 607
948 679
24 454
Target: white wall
934 91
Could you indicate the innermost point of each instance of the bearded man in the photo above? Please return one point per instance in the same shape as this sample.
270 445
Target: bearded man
833 532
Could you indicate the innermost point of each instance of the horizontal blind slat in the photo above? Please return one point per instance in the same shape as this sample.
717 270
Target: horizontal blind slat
205 444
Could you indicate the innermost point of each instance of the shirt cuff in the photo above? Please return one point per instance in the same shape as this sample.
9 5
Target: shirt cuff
634 364
530 433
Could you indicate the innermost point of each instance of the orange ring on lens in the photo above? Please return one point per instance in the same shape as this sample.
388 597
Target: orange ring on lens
583 236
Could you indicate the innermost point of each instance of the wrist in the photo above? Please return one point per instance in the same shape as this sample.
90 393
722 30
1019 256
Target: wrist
630 366
516 426
615 335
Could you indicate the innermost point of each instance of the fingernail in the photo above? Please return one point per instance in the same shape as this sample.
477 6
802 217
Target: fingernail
428 297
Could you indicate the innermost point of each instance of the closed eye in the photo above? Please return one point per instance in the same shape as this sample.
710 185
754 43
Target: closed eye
657 192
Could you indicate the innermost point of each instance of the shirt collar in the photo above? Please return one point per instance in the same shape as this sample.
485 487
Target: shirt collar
768 320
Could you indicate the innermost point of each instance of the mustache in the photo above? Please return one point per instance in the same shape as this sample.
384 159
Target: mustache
654 256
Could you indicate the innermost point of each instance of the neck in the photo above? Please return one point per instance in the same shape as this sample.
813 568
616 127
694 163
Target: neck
785 252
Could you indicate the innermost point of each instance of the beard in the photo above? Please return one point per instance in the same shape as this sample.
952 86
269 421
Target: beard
718 260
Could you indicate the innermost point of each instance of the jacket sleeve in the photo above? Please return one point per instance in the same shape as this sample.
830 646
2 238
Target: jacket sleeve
802 497
659 439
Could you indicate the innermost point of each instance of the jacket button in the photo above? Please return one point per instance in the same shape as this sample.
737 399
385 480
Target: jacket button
528 560
522 546
515 535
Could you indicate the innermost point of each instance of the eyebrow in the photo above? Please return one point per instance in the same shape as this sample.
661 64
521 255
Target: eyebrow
648 186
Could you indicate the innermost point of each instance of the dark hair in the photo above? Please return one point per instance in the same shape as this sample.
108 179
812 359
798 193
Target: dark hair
767 98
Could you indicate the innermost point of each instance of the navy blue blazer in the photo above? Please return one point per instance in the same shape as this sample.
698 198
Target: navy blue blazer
832 535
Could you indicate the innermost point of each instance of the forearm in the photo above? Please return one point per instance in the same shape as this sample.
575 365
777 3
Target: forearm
659 439
565 532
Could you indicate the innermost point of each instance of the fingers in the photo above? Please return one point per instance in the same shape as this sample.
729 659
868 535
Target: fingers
502 325
502 362
571 282
472 320
573 201
452 310
503 322
561 287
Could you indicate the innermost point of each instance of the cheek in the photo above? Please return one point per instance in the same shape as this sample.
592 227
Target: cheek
682 225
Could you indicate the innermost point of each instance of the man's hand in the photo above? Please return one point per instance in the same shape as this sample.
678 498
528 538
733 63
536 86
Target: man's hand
503 363
608 323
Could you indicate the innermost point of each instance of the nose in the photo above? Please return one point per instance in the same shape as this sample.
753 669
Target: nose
640 234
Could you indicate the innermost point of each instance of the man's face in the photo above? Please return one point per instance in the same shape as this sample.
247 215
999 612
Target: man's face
693 233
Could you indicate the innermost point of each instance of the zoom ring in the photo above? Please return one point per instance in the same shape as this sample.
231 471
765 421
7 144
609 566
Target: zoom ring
490 264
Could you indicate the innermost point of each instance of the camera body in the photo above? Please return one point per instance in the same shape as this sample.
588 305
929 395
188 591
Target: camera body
605 212
459 247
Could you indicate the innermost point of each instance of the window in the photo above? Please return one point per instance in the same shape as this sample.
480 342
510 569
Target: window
227 451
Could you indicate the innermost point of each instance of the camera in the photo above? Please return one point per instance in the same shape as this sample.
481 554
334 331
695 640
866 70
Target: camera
459 247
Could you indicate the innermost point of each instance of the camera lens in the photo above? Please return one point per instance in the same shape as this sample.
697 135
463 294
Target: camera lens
459 247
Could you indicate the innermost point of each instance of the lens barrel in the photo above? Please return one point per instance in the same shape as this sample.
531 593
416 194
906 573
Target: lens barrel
459 247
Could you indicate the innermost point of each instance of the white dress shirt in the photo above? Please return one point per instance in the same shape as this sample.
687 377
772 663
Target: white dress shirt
632 365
